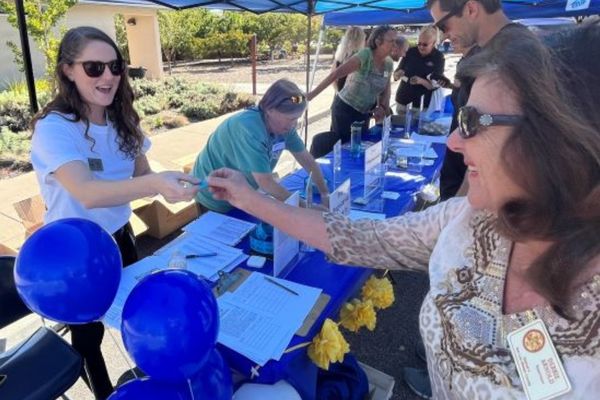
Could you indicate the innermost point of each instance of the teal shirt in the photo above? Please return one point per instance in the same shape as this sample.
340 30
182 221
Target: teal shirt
242 142
364 86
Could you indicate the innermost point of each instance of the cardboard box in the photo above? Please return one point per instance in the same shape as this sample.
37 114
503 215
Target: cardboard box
163 218
381 385
7 251
31 211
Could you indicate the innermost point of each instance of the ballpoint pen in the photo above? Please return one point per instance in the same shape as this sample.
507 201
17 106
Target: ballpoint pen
274 282
200 255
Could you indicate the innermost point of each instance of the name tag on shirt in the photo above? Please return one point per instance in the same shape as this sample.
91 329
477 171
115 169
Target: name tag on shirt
540 369
278 147
95 164
386 74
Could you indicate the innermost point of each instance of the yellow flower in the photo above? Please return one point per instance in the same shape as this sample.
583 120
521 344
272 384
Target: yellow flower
379 291
356 314
329 346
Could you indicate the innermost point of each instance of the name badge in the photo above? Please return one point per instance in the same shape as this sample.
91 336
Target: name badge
541 371
95 164
278 147
386 74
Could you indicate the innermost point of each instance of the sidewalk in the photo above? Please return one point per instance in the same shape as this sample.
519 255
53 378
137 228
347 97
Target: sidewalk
172 150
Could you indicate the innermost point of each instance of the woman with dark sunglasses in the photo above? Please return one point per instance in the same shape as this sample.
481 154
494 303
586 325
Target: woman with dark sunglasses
513 308
88 152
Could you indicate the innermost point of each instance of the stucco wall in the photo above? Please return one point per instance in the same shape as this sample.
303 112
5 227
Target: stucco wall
99 16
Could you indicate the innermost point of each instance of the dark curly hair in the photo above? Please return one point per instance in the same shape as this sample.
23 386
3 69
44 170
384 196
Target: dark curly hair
67 99
554 154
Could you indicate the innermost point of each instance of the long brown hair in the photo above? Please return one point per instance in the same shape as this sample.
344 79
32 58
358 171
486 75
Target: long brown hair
67 99
554 154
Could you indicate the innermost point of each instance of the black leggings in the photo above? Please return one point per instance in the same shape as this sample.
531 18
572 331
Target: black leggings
342 116
87 338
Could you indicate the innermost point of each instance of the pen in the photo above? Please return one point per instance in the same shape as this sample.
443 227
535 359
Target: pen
188 256
274 282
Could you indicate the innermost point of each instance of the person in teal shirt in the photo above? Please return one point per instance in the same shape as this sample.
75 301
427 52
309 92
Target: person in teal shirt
252 141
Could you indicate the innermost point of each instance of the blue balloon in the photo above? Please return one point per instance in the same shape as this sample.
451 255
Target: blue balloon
69 271
150 389
170 323
213 381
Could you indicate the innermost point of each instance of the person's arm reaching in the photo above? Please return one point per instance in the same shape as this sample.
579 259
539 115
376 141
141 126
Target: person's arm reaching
303 223
267 183
353 64
308 162
77 179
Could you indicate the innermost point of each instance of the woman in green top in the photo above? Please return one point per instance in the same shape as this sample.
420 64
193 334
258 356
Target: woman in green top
367 88
252 140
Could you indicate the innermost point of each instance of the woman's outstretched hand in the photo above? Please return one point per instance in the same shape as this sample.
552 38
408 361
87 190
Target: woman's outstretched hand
176 186
231 186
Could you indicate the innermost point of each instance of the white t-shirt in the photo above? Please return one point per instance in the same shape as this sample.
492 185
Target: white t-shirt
57 141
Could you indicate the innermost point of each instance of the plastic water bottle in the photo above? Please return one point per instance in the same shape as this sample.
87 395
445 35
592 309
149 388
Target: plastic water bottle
177 261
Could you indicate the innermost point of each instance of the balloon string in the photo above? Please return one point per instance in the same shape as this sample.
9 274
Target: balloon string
189 382
296 347
131 368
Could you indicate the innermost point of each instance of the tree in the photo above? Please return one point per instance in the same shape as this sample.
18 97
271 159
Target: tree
177 30
42 18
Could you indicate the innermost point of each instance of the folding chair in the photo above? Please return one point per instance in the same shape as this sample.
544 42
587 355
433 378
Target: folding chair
43 366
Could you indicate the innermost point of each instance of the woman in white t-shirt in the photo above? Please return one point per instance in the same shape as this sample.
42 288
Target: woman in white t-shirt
88 152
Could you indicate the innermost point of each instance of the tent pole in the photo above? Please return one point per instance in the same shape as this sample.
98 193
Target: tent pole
317 53
308 40
26 55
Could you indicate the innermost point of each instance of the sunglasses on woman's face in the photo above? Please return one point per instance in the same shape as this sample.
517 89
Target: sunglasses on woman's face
95 69
470 120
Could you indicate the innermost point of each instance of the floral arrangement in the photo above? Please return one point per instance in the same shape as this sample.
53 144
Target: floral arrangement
329 346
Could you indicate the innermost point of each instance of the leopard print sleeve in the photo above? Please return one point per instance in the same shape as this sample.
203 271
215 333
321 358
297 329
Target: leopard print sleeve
403 242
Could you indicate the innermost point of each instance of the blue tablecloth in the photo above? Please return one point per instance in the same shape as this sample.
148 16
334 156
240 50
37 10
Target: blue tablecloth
313 269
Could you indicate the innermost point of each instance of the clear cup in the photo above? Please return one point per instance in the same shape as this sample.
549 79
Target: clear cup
355 140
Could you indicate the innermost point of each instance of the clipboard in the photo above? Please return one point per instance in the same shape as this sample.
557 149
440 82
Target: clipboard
229 282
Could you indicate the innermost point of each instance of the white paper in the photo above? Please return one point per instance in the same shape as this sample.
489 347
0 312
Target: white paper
429 139
372 170
190 243
225 229
285 247
339 200
576 5
259 319
129 278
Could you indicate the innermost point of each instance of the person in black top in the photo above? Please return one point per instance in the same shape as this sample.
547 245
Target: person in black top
415 68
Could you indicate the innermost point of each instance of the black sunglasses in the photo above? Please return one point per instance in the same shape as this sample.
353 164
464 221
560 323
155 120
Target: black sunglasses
94 69
470 120
441 24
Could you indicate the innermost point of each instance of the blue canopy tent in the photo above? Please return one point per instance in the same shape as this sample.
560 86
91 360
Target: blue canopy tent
366 9
412 15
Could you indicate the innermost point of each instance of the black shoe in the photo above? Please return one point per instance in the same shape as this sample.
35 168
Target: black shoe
418 381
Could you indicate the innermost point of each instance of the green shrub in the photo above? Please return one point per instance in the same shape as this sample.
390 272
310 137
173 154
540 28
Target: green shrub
14 114
201 108
171 121
148 105
145 87
14 145
234 101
